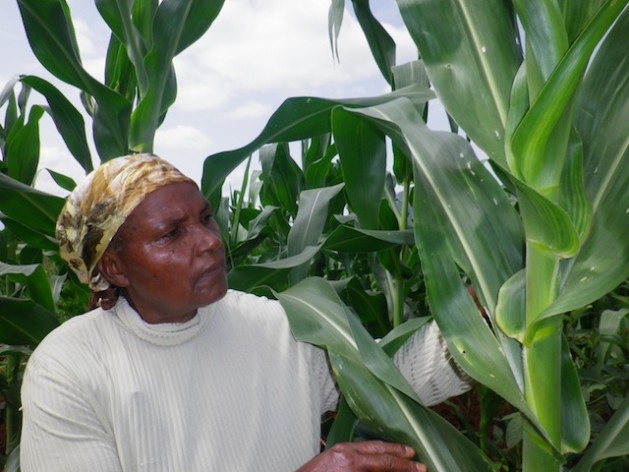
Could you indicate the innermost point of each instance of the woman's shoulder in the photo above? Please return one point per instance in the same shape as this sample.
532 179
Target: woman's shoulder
247 311
75 336
251 305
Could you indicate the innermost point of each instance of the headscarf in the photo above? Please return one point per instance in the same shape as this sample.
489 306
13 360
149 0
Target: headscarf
96 209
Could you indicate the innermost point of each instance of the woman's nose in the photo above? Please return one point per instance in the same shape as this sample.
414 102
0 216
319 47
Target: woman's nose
208 237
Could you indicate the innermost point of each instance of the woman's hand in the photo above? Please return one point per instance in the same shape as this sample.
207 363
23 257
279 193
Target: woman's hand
366 456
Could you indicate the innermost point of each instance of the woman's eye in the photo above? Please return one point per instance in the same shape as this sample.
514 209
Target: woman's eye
172 234
206 219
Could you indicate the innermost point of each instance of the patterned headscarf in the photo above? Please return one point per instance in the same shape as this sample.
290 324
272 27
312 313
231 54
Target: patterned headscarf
96 209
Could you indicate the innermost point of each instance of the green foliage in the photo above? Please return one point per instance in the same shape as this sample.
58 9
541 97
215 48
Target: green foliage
544 238
403 222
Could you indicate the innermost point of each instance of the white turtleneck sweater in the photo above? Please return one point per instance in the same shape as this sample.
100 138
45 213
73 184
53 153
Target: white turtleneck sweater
229 390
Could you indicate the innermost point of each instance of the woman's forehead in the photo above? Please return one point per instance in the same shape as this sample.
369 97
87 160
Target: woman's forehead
170 201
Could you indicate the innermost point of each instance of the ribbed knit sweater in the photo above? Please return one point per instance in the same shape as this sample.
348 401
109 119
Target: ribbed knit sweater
229 390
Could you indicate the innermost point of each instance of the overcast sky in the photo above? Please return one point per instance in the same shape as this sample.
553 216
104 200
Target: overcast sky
255 55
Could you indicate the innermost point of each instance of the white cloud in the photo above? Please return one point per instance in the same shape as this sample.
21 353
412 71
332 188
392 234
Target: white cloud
183 138
251 110
255 55
264 46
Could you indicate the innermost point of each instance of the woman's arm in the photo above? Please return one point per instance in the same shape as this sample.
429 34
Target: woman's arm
428 366
61 432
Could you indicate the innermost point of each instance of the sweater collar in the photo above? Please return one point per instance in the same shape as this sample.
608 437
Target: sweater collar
161 334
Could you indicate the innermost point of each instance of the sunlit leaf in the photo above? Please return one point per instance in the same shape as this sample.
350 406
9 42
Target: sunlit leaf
575 422
548 109
22 148
348 239
35 279
52 38
471 52
67 119
317 316
380 42
601 264
31 207
362 151
296 119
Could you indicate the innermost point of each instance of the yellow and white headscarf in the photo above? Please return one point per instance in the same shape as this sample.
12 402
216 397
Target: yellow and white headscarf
97 207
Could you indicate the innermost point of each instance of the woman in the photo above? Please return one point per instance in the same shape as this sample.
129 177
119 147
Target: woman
176 372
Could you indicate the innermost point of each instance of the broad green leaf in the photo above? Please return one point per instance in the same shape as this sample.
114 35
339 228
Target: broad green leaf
510 310
344 425
348 239
22 148
120 75
321 172
380 42
602 117
35 279
453 196
400 334
51 35
577 13
413 72
179 23
283 179
547 226
532 135
309 223
316 315
247 277
469 338
575 422
63 181
395 417
201 15
362 151
31 207
257 225
296 119
546 37
611 442
572 195
471 52
371 308
24 322
143 12
311 218
118 16
67 119
29 236
465 192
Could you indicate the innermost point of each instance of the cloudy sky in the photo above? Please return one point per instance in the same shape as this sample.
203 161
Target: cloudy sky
255 55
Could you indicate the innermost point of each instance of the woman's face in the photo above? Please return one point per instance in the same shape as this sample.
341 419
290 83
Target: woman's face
171 258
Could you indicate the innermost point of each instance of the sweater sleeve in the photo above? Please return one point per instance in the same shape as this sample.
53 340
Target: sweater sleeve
428 366
61 431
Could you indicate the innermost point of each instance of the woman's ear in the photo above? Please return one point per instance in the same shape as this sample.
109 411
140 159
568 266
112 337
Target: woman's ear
111 267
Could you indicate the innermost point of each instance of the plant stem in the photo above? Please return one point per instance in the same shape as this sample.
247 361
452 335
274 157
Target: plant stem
542 361
241 199
397 283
